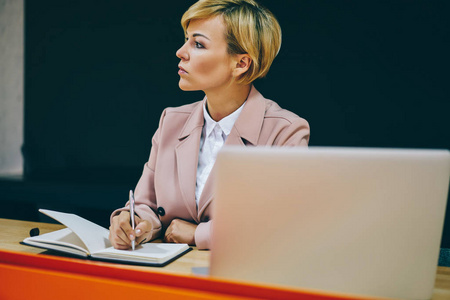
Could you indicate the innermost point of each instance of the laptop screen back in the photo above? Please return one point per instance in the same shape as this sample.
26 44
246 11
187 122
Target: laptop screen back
351 220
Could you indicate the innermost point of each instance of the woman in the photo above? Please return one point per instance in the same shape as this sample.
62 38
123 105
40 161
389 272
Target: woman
229 44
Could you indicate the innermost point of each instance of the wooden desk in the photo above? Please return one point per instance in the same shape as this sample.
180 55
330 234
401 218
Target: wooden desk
12 232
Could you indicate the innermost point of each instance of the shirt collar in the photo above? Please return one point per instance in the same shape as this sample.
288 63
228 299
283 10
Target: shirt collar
226 124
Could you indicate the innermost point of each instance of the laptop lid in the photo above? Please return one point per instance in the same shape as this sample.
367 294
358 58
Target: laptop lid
351 220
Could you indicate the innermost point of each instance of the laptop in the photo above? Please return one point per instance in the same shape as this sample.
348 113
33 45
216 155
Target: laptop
346 220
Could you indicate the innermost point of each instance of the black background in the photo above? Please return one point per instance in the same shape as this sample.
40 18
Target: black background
99 73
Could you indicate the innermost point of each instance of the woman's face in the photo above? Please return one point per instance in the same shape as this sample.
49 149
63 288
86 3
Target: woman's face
205 63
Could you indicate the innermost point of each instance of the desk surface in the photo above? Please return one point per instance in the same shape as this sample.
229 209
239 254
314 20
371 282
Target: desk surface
12 232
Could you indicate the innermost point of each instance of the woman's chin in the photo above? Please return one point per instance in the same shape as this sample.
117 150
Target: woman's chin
186 87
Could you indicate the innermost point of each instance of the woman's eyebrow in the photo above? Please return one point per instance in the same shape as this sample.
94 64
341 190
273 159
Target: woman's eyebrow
199 34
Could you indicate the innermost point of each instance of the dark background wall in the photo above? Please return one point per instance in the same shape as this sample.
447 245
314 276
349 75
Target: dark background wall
99 73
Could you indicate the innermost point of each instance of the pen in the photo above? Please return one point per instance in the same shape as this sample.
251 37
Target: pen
131 198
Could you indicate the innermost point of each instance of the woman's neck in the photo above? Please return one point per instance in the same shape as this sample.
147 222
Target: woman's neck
222 103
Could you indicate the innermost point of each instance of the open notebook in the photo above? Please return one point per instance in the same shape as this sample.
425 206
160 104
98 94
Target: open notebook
86 239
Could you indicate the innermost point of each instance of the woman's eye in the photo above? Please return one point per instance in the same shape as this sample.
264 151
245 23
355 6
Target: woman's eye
198 45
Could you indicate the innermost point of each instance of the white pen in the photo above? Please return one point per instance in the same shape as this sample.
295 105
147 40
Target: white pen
131 200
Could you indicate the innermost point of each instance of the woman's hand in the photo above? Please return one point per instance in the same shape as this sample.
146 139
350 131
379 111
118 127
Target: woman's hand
121 234
180 231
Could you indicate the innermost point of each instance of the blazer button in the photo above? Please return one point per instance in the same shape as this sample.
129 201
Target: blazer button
161 211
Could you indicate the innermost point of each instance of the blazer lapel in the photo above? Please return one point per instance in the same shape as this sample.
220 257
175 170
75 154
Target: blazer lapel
245 131
187 158
248 125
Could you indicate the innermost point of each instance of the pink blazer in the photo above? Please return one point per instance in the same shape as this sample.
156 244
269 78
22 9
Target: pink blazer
166 189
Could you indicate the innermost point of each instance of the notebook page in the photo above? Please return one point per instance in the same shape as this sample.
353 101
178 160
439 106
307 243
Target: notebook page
93 236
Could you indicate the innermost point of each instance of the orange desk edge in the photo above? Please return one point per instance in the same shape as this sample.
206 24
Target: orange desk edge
46 277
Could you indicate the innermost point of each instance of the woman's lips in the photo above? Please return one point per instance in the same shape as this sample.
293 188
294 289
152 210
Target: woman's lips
181 71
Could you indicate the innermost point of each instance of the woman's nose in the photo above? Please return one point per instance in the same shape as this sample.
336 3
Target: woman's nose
182 53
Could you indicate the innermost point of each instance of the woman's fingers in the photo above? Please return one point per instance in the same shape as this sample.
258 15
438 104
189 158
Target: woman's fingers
143 231
120 231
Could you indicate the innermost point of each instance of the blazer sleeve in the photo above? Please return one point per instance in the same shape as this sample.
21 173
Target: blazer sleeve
203 235
144 194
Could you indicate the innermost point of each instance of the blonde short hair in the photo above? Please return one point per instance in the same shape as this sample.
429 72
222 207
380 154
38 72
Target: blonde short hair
251 29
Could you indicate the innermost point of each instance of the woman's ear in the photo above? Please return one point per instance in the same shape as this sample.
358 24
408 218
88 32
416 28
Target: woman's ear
243 63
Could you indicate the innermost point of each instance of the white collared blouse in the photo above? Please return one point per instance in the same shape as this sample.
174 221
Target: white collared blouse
214 135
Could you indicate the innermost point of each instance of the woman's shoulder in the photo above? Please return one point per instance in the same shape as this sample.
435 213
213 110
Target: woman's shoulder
185 116
291 129
184 109
274 111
